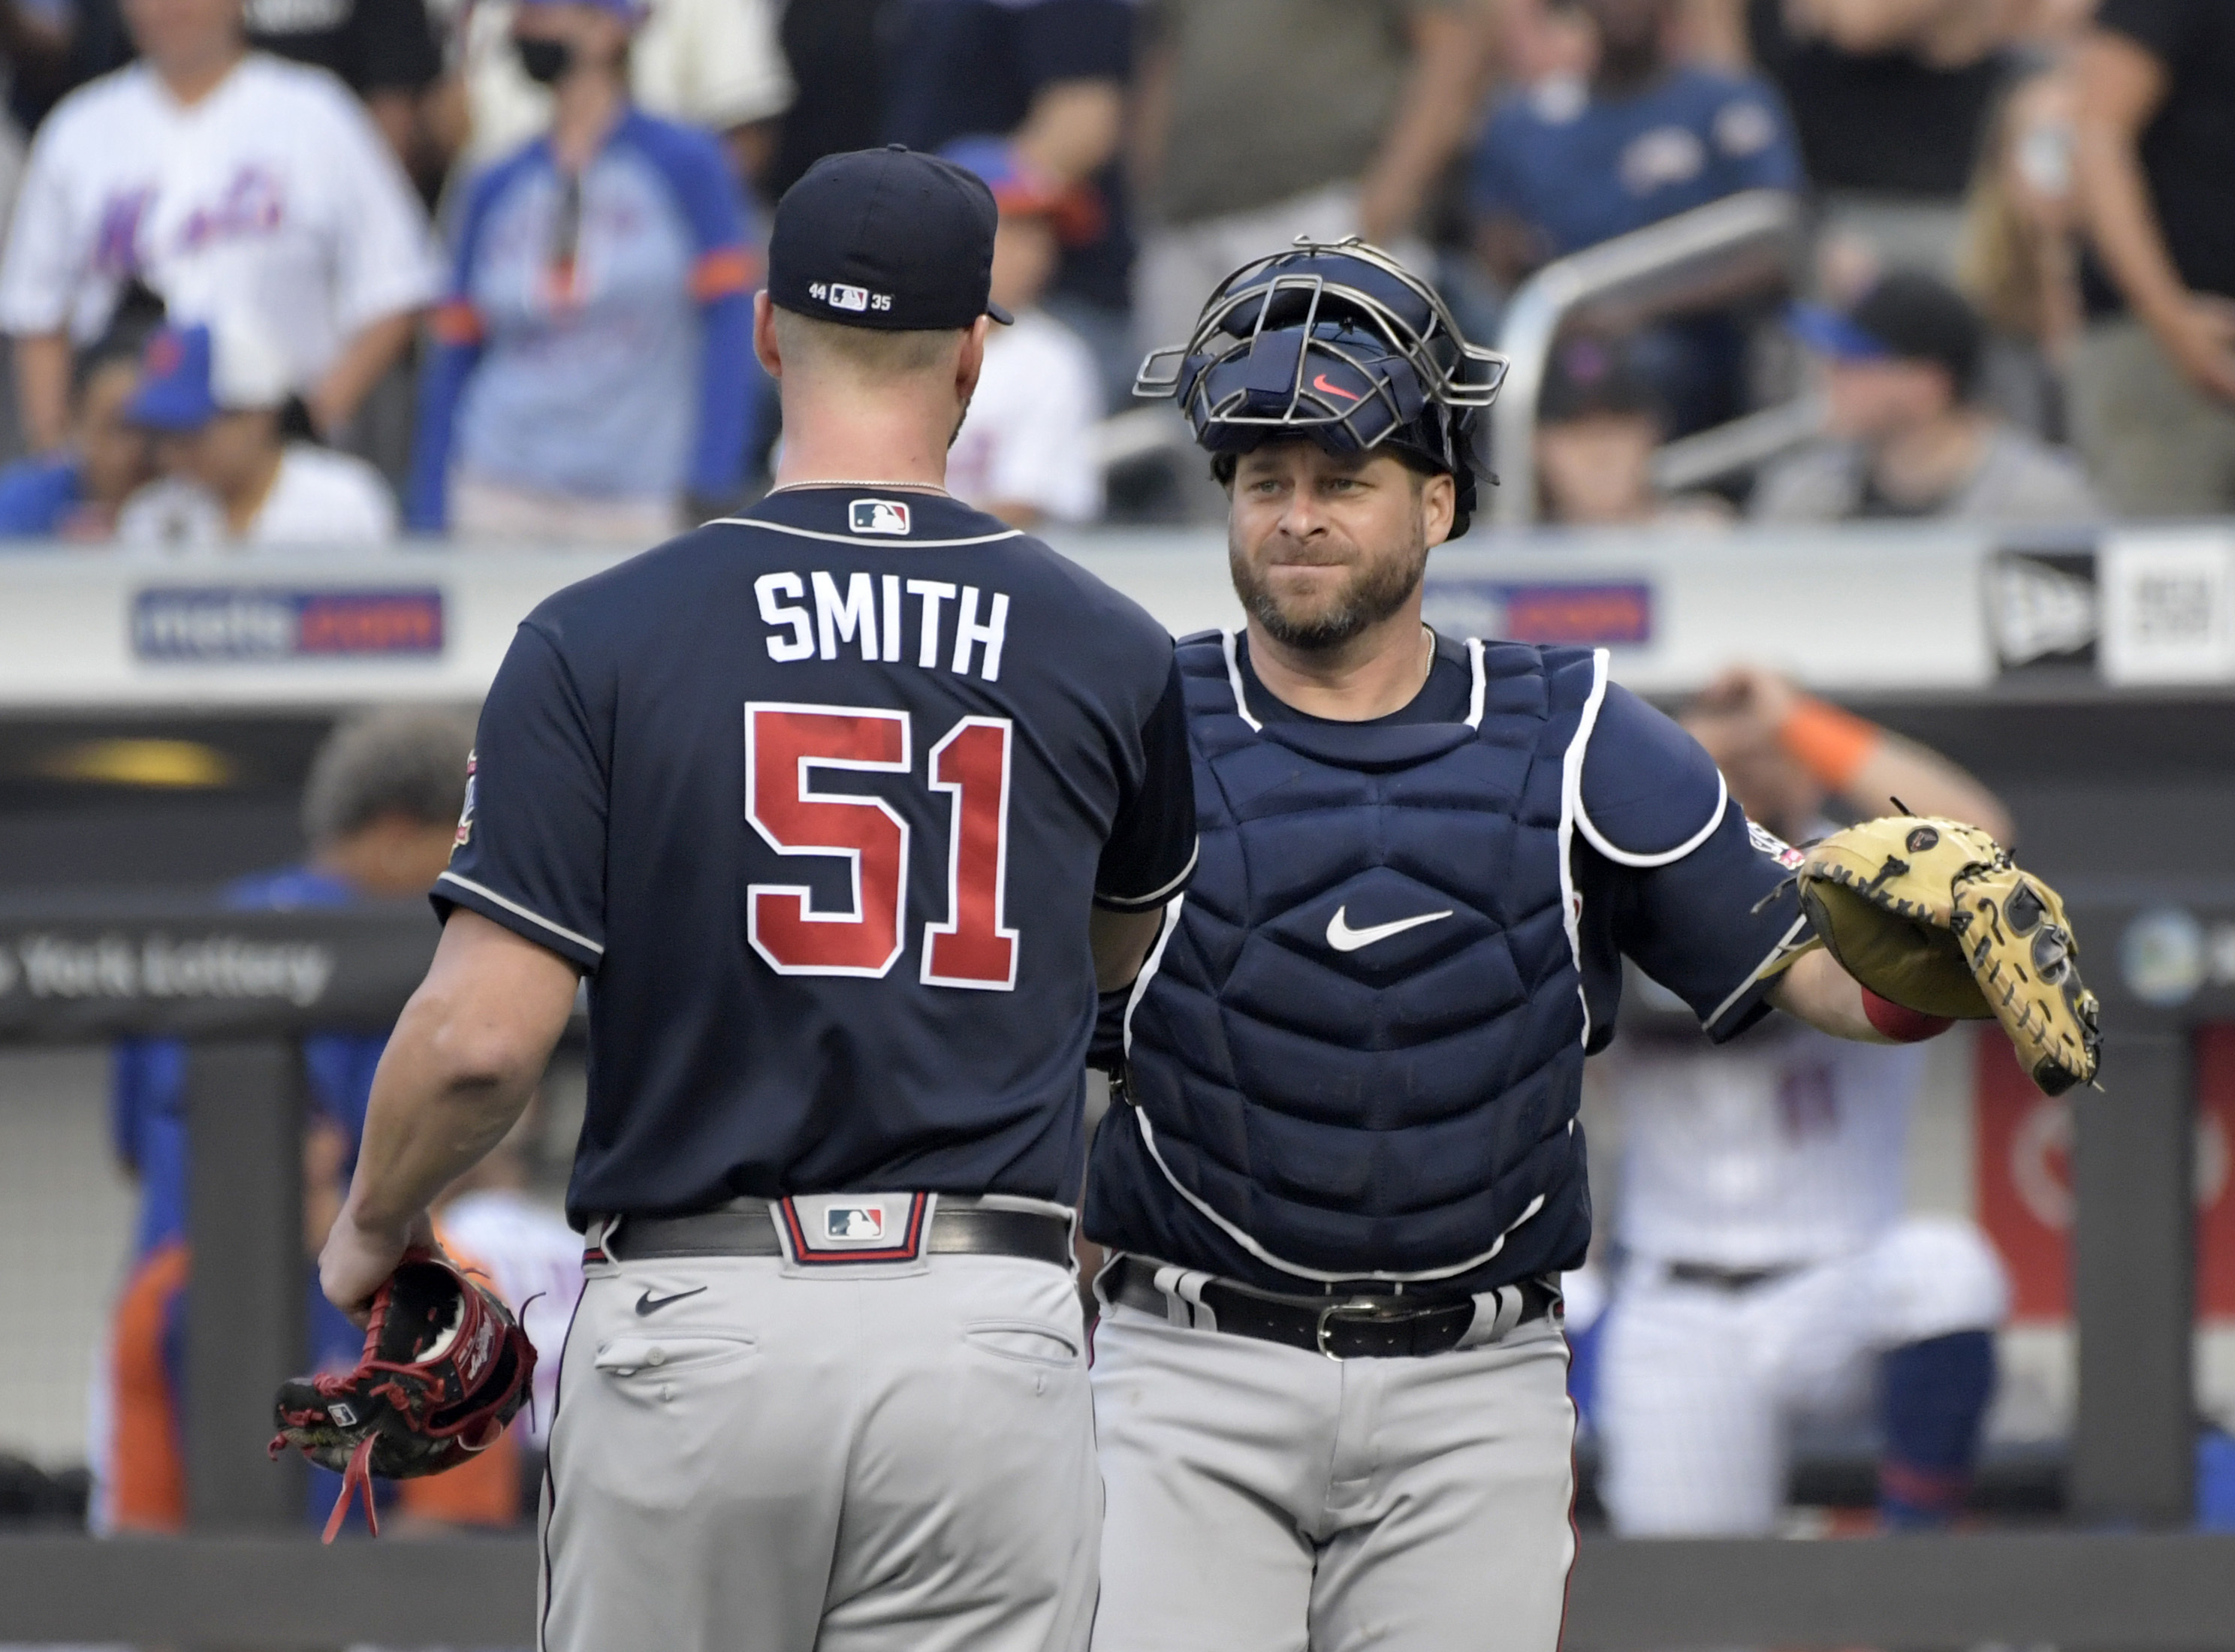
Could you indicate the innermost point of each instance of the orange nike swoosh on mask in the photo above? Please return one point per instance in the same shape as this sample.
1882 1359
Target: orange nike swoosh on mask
1321 383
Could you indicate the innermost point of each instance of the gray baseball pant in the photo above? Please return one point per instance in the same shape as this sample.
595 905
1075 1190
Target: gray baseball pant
1264 1499
894 1459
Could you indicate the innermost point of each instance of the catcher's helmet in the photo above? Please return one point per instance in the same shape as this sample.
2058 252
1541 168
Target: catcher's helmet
1338 342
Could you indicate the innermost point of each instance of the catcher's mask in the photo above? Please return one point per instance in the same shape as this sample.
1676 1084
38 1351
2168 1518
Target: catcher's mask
1339 343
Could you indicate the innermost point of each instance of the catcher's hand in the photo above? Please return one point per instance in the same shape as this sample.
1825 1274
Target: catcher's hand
1934 917
445 1368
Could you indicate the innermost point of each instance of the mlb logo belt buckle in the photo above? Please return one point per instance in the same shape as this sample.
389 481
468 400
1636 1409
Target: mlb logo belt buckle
835 1229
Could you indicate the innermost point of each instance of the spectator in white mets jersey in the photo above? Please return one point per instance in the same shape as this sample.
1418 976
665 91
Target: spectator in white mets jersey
227 180
1769 1272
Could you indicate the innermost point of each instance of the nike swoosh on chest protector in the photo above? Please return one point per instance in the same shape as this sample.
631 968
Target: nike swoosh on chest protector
1343 938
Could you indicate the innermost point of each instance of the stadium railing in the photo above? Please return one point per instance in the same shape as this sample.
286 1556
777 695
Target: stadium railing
1744 248
2045 643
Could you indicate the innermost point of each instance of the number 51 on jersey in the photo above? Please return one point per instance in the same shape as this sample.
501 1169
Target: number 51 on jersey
785 745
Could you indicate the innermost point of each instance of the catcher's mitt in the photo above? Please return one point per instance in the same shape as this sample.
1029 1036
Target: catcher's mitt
1934 915
445 1368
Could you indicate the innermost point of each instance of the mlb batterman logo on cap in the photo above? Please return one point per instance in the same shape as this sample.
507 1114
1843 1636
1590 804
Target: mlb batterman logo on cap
886 238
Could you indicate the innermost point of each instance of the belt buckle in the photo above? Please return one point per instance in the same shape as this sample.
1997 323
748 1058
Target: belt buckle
1365 1312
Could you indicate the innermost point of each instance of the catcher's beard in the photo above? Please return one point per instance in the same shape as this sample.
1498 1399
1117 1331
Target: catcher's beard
1378 586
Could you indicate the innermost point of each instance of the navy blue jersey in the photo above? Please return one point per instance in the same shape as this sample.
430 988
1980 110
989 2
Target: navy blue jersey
820 798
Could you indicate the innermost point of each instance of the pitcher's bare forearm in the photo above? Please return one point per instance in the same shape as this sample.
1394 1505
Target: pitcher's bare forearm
459 1069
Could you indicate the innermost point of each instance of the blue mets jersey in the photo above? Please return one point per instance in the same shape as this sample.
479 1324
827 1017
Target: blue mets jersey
820 799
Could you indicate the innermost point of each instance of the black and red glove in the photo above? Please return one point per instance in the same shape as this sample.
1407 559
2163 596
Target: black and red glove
445 1368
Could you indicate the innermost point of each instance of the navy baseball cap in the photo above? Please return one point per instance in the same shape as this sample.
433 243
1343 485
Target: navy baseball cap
887 238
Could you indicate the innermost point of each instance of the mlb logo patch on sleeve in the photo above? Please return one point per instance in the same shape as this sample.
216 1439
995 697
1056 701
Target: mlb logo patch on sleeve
878 516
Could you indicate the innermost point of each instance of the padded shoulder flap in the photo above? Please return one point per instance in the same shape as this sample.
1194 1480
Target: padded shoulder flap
1650 794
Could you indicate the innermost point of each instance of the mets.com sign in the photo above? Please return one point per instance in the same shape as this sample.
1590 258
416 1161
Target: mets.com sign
204 622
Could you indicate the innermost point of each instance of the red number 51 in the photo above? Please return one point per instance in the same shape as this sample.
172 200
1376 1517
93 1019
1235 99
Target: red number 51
972 948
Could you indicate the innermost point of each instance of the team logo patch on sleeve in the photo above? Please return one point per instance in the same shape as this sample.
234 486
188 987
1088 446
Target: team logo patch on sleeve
1773 846
888 516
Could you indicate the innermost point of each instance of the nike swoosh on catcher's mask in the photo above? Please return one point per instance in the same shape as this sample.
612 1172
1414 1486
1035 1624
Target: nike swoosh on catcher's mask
1343 938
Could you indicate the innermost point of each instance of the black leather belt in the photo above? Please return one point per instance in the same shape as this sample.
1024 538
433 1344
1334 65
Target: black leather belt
1342 1327
1722 1279
750 1230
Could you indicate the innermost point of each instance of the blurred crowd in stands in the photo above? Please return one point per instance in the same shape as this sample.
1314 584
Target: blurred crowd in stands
322 271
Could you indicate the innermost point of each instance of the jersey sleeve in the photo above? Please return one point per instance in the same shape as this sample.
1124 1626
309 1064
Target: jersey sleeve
384 257
1677 879
42 265
531 851
1151 847
454 351
724 270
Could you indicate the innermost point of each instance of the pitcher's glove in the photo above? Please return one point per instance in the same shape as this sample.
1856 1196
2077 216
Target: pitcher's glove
445 1368
1934 917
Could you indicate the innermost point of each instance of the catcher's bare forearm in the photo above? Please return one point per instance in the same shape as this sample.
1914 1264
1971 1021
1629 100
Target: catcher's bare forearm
459 1069
1815 989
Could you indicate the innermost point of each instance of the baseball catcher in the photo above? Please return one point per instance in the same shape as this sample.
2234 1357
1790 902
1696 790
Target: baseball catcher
445 1368
1345 1173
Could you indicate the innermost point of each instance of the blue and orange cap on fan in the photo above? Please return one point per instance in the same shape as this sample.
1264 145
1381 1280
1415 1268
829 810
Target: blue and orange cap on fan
191 372
1338 343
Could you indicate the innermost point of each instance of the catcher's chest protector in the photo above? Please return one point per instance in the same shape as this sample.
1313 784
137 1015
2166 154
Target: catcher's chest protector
1334 1088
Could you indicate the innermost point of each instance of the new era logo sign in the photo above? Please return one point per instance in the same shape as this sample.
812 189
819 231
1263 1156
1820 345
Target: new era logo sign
854 1223
878 516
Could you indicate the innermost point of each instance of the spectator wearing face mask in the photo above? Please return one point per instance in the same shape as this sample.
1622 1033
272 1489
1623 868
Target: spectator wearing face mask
593 371
1568 163
1907 434
714 64
236 471
1572 162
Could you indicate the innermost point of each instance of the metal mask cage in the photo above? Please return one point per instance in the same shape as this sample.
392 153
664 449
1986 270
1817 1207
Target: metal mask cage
1450 369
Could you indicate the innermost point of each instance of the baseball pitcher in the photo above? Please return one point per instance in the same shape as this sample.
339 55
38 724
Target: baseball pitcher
841 808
